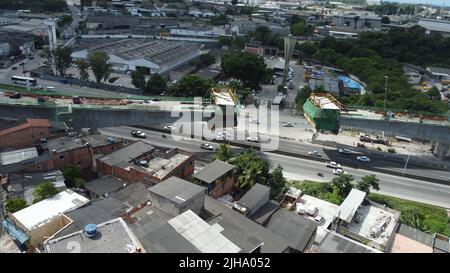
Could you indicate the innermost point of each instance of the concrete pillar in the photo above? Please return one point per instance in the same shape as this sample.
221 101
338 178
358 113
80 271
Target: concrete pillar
441 150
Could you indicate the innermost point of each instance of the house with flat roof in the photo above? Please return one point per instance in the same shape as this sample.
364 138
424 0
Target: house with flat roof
217 177
141 162
69 151
336 243
176 195
22 185
45 218
101 144
298 230
249 236
113 236
25 160
104 185
253 200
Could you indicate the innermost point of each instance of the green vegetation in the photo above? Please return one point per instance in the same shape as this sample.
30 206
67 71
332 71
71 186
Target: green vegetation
251 169
244 66
156 84
207 59
138 78
192 86
64 21
71 175
63 60
375 55
219 20
300 28
99 62
45 190
303 95
423 217
44 6
265 35
15 204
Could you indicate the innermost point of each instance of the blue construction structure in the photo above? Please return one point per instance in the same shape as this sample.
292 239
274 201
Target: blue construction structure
16 233
350 86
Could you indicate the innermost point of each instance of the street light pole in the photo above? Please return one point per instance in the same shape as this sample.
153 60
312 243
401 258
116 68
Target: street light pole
407 159
385 92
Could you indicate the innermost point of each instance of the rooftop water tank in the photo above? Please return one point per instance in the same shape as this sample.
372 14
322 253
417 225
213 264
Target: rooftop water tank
90 230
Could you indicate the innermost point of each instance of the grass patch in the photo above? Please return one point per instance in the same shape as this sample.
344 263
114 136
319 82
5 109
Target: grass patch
427 218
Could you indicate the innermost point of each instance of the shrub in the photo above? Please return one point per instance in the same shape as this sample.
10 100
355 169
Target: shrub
391 150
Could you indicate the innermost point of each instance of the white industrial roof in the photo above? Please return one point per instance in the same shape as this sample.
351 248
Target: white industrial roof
351 203
326 103
11 157
40 213
223 97
207 238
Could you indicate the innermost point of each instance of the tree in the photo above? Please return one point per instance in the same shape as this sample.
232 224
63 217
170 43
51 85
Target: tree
63 59
250 169
156 84
39 41
224 153
434 93
277 182
207 59
302 95
301 29
83 67
367 182
220 19
385 20
64 21
79 183
15 204
244 66
45 190
99 62
342 185
234 2
191 86
71 173
138 78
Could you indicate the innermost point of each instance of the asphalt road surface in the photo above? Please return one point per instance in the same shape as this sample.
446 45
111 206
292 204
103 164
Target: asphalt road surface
297 168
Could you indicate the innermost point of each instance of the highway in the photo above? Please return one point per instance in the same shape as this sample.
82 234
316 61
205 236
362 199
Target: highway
299 168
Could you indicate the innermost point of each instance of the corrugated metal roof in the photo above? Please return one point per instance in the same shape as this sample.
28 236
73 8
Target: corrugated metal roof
351 203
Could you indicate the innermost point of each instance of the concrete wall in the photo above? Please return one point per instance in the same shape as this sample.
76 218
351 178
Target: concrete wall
196 204
421 131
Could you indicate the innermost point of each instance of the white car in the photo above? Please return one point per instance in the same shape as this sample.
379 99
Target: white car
363 158
168 127
315 153
51 89
345 151
287 124
332 164
253 139
338 171
254 121
207 146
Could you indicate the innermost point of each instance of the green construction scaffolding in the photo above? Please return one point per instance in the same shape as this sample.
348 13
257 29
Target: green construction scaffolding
323 118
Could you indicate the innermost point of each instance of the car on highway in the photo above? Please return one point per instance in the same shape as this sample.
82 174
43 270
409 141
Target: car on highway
16 95
338 171
345 151
333 164
139 134
253 139
207 146
287 124
168 127
51 89
14 68
363 158
315 153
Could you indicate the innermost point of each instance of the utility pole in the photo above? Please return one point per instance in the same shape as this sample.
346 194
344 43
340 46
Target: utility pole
407 159
385 92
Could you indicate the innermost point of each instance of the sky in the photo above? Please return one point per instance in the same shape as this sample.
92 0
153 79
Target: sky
433 2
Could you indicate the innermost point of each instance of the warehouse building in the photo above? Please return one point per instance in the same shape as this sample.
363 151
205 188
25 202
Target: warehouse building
156 56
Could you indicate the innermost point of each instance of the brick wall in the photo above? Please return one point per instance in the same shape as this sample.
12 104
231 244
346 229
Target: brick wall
107 149
81 157
222 187
23 138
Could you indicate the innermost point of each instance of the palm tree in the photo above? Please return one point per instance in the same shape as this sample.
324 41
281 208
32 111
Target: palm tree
224 153
254 173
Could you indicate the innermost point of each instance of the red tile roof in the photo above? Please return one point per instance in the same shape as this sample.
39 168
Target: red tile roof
29 123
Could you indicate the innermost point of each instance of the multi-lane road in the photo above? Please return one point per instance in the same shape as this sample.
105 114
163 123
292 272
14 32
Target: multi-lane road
299 168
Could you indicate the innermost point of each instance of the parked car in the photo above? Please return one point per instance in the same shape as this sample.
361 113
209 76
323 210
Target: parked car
358 218
76 100
253 139
319 219
363 158
315 153
16 95
207 146
168 127
138 134
338 171
333 164
345 151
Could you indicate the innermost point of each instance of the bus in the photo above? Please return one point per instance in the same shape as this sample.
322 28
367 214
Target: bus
24 80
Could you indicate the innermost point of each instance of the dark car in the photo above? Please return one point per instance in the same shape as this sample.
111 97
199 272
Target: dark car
40 99
64 81
16 95
76 100
14 68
